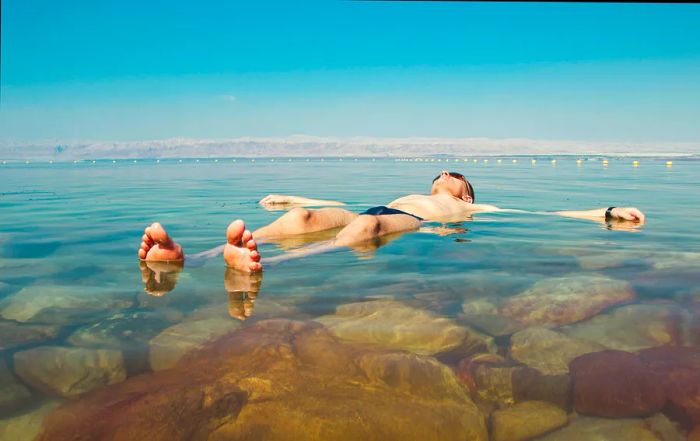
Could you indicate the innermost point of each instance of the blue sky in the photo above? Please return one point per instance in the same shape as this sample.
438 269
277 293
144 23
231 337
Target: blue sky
99 70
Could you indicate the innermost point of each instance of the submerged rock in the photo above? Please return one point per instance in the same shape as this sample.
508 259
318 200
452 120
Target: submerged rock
68 371
694 434
531 384
411 373
316 386
12 392
525 421
13 334
562 300
396 325
497 382
62 304
548 351
120 330
168 347
596 261
679 368
615 384
127 332
604 429
27 426
630 328
482 313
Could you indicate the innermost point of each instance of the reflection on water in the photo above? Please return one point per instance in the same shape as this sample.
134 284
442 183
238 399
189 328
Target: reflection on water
159 278
242 290
504 326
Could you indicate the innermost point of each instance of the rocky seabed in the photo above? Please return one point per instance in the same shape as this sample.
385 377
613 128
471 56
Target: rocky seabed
570 358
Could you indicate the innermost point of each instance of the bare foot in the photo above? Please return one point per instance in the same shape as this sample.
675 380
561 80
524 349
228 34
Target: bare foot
156 245
241 251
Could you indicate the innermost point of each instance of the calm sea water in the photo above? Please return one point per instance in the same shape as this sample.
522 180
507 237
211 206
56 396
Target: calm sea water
74 229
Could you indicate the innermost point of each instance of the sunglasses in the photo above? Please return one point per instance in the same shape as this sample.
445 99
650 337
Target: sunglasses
454 175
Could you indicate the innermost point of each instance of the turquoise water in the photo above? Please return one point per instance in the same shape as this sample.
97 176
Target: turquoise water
73 229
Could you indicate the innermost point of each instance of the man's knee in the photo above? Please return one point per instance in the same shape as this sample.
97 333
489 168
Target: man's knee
299 214
368 224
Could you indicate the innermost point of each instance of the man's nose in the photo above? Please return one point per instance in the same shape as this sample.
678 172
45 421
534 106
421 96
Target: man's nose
444 173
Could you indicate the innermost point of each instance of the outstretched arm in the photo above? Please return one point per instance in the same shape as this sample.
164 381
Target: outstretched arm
622 214
282 202
599 214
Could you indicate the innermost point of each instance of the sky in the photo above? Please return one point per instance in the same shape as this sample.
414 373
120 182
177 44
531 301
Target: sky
135 70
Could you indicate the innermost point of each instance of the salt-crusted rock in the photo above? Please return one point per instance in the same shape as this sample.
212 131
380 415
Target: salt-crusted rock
548 351
526 420
562 300
396 325
62 304
615 384
320 386
69 371
630 328
13 334
168 347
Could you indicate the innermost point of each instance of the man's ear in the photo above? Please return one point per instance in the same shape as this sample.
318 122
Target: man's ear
467 198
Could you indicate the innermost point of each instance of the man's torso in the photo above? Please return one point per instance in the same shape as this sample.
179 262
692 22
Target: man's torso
437 206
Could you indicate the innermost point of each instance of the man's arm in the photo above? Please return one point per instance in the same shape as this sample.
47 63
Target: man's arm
280 201
628 214
618 213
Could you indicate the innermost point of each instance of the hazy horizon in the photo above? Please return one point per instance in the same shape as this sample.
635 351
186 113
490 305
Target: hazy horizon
314 146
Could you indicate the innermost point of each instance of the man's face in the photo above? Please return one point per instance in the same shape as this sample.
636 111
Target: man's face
454 186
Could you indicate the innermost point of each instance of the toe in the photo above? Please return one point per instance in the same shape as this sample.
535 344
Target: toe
255 266
247 235
251 245
158 234
255 256
142 253
235 231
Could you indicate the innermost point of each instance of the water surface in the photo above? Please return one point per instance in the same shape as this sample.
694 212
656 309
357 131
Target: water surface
71 231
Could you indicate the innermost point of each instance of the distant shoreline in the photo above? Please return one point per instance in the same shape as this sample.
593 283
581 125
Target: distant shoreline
303 146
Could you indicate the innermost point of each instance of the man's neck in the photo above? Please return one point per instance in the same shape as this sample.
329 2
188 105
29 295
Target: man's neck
446 193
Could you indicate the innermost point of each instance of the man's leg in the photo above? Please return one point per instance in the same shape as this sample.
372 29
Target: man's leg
365 227
302 221
294 222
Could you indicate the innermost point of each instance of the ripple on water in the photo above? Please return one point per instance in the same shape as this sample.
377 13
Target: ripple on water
16 248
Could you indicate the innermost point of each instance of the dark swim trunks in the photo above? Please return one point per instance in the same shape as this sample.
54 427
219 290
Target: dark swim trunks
378 211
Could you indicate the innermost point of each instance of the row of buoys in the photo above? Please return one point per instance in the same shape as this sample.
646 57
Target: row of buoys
605 162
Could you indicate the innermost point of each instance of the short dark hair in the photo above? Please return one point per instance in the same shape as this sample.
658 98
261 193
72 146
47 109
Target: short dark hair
470 189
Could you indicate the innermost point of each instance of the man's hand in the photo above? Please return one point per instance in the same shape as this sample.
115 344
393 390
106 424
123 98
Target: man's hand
278 199
628 214
285 202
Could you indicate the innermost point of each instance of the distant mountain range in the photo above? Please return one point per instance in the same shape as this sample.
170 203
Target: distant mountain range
313 146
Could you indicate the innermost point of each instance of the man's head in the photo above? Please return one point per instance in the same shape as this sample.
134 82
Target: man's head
454 184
